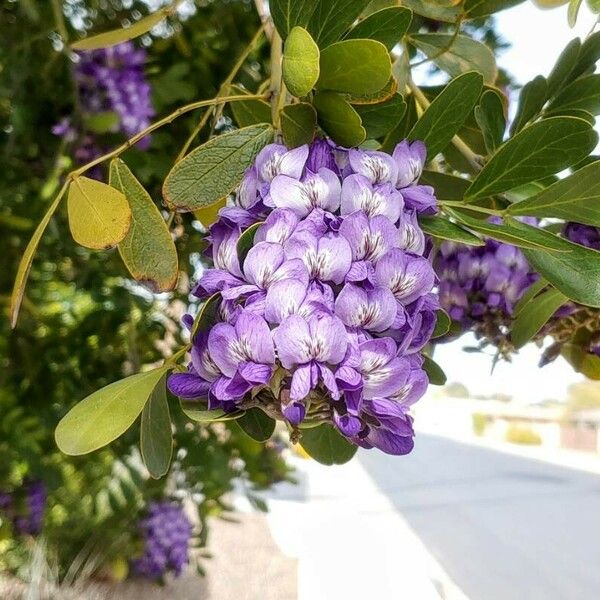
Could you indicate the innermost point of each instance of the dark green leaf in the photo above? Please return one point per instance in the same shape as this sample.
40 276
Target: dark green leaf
106 414
457 55
207 314
481 8
564 66
576 272
576 198
156 438
447 113
582 361
588 56
257 424
443 229
197 410
287 14
406 124
249 112
355 67
442 324
331 19
212 170
434 372
447 187
539 150
491 120
300 62
534 315
530 293
583 93
147 250
298 124
246 241
339 120
379 119
388 26
327 446
531 100
433 10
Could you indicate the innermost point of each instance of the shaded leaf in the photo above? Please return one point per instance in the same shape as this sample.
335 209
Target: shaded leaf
330 20
207 314
246 241
435 373
147 250
326 445
447 113
249 112
481 8
196 410
587 57
287 14
156 438
447 187
444 229
582 361
564 66
339 120
531 292
257 424
211 171
583 93
531 100
433 10
491 120
442 324
388 26
355 67
539 150
298 124
379 119
99 215
300 62
106 414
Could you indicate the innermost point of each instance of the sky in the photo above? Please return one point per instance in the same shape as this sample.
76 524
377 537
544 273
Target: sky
537 38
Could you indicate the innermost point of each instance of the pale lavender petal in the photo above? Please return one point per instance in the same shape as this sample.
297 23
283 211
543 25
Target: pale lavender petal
369 239
215 280
329 381
390 442
284 298
223 348
256 373
328 338
261 263
374 310
293 341
377 167
287 192
359 194
347 424
247 195
275 159
420 198
412 238
278 226
334 258
410 159
301 383
202 361
255 339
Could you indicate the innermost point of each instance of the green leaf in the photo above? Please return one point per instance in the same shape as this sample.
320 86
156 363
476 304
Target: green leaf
582 361
156 438
575 272
339 120
197 410
209 214
246 241
147 250
573 11
447 113
435 373
442 324
102 122
99 215
457 55
212 171
530 293
491 120
300 62
249 112
326 445
106 414
576 197
257 424
433 10
355 67
388 26
588 56
287 14
513 232
116 36
474 9
531 100
583 93
382 95
330 20
539 150
379 119
534 315
447 187
443 229
207 315
564 66
298 124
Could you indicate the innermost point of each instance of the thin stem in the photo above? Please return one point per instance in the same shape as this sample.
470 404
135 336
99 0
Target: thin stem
222 90
164 121
265 19
473 207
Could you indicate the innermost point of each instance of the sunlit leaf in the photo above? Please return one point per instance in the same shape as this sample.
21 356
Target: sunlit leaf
474 9
287 14
300 62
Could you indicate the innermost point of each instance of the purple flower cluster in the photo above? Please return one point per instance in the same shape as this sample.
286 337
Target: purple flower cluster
478 282
333 301
166 532
25 507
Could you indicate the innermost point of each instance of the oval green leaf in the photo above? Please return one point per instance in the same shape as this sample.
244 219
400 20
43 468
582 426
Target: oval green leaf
435 373
106 414
355 67
379 119
330 19
490 117
300 62
99 215
212 171
531 100
474 9
257 424
156 437
339 120
147 250
298 124
441 228
208 314
286 14
541 149
582 361
326 445
249 112
442 324
246 241
583 94
388 26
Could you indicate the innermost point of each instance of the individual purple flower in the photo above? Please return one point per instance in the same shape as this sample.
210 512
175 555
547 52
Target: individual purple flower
410 160
377 167
166 533
412 238
359 194
369 309
276 159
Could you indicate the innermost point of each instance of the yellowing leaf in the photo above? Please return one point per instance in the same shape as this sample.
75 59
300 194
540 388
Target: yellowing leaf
99 215
148 250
